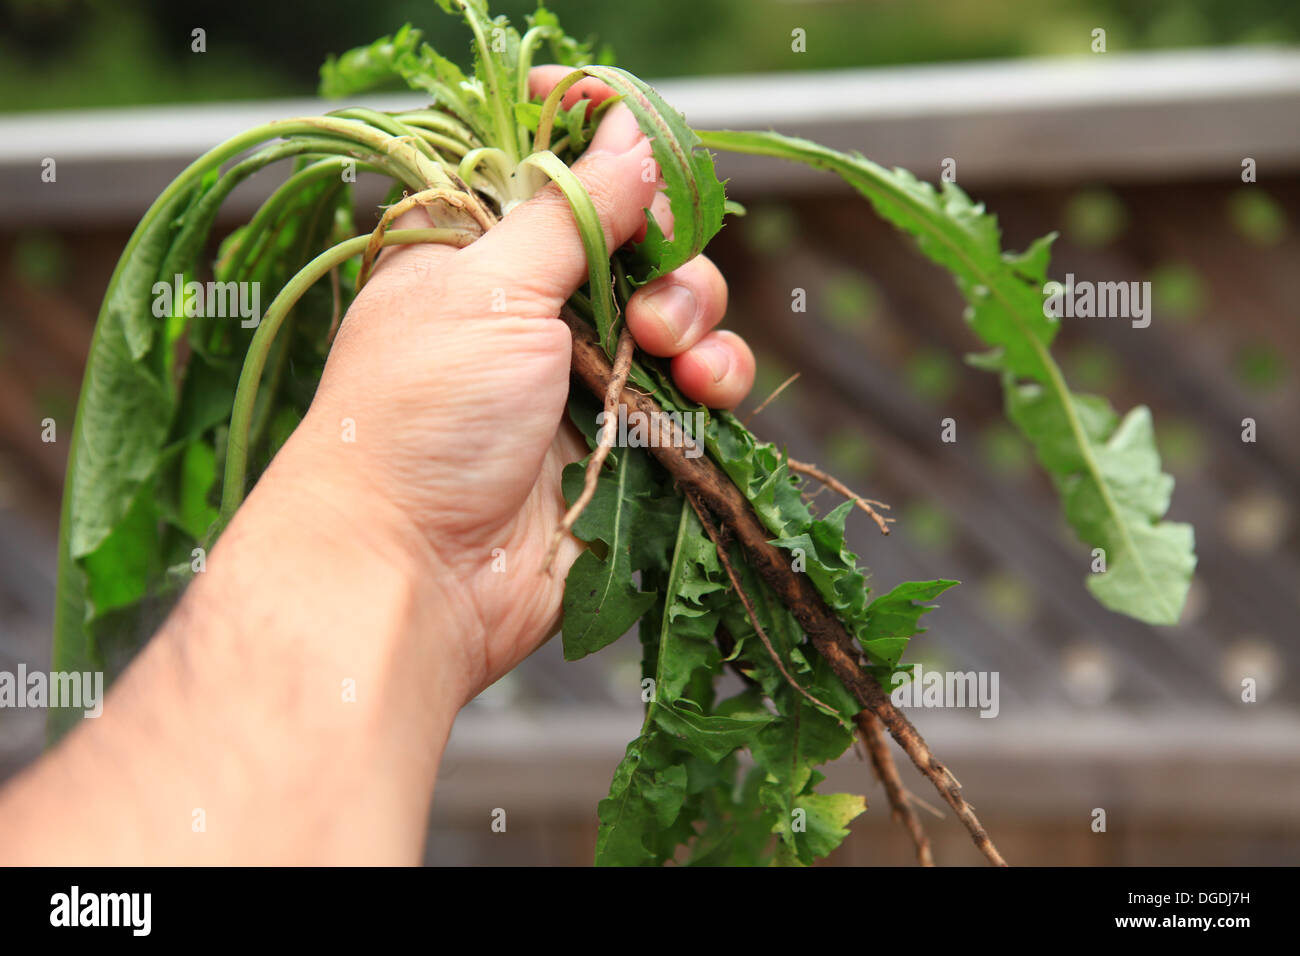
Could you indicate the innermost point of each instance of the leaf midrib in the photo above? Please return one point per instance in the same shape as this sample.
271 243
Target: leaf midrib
1057 381
615 538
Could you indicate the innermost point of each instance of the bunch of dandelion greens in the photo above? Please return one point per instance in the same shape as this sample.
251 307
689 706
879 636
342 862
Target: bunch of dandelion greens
716 558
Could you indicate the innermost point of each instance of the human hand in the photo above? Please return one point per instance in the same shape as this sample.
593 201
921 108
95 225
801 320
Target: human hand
454 368
351 607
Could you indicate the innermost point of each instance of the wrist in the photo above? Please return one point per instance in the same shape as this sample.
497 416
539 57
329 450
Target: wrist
391 594
347 670
297 701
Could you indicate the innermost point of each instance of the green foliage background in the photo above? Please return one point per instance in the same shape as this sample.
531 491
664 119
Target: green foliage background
82 53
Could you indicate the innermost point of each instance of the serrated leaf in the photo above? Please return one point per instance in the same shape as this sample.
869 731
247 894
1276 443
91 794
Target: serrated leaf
365 68
695 195
893 618
601 600
709 736
640 800
822 824
1114 493
685 642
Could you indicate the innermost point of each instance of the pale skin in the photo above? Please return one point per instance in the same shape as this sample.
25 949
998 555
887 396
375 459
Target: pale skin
371 561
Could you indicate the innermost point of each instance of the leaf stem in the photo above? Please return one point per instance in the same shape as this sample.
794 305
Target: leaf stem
268 212
232 491
871 178
593 242
440 122
527 46
495 92
550 107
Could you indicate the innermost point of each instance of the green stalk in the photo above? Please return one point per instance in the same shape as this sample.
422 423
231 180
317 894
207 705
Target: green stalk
259 226
551 106
277 360
263 408
527 47
593 242
441 122
389 124
495 92
452 147
198 221
232 491
497 161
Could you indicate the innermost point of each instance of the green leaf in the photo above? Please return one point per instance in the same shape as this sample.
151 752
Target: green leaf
120 569
528 115
737 828
817 825
1109 476
195 513
893 618
368 67
641 800
564 49
695 195
709 736
803 738
830 564
601 600
449 88
689 619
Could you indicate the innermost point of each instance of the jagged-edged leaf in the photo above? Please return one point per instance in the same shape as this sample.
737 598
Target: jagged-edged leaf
737 828
830 564
1109 477
817 824
760 472
710 736
564 49
641 800
695 195
367 67
626 515
801 739
893 618
689 620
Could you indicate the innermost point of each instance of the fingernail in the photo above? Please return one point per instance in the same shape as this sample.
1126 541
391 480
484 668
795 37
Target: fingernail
617 132
716 357
674 305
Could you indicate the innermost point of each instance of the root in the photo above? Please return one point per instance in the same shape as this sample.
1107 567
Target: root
452 197
873 736
833 483
771 398
702 478
617 379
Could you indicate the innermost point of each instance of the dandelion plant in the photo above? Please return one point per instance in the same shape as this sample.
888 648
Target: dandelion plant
715 558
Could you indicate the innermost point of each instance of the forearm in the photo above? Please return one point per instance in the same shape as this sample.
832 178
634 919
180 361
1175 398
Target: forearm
293 708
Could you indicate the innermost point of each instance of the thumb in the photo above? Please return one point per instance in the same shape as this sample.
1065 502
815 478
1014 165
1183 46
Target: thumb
535 255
